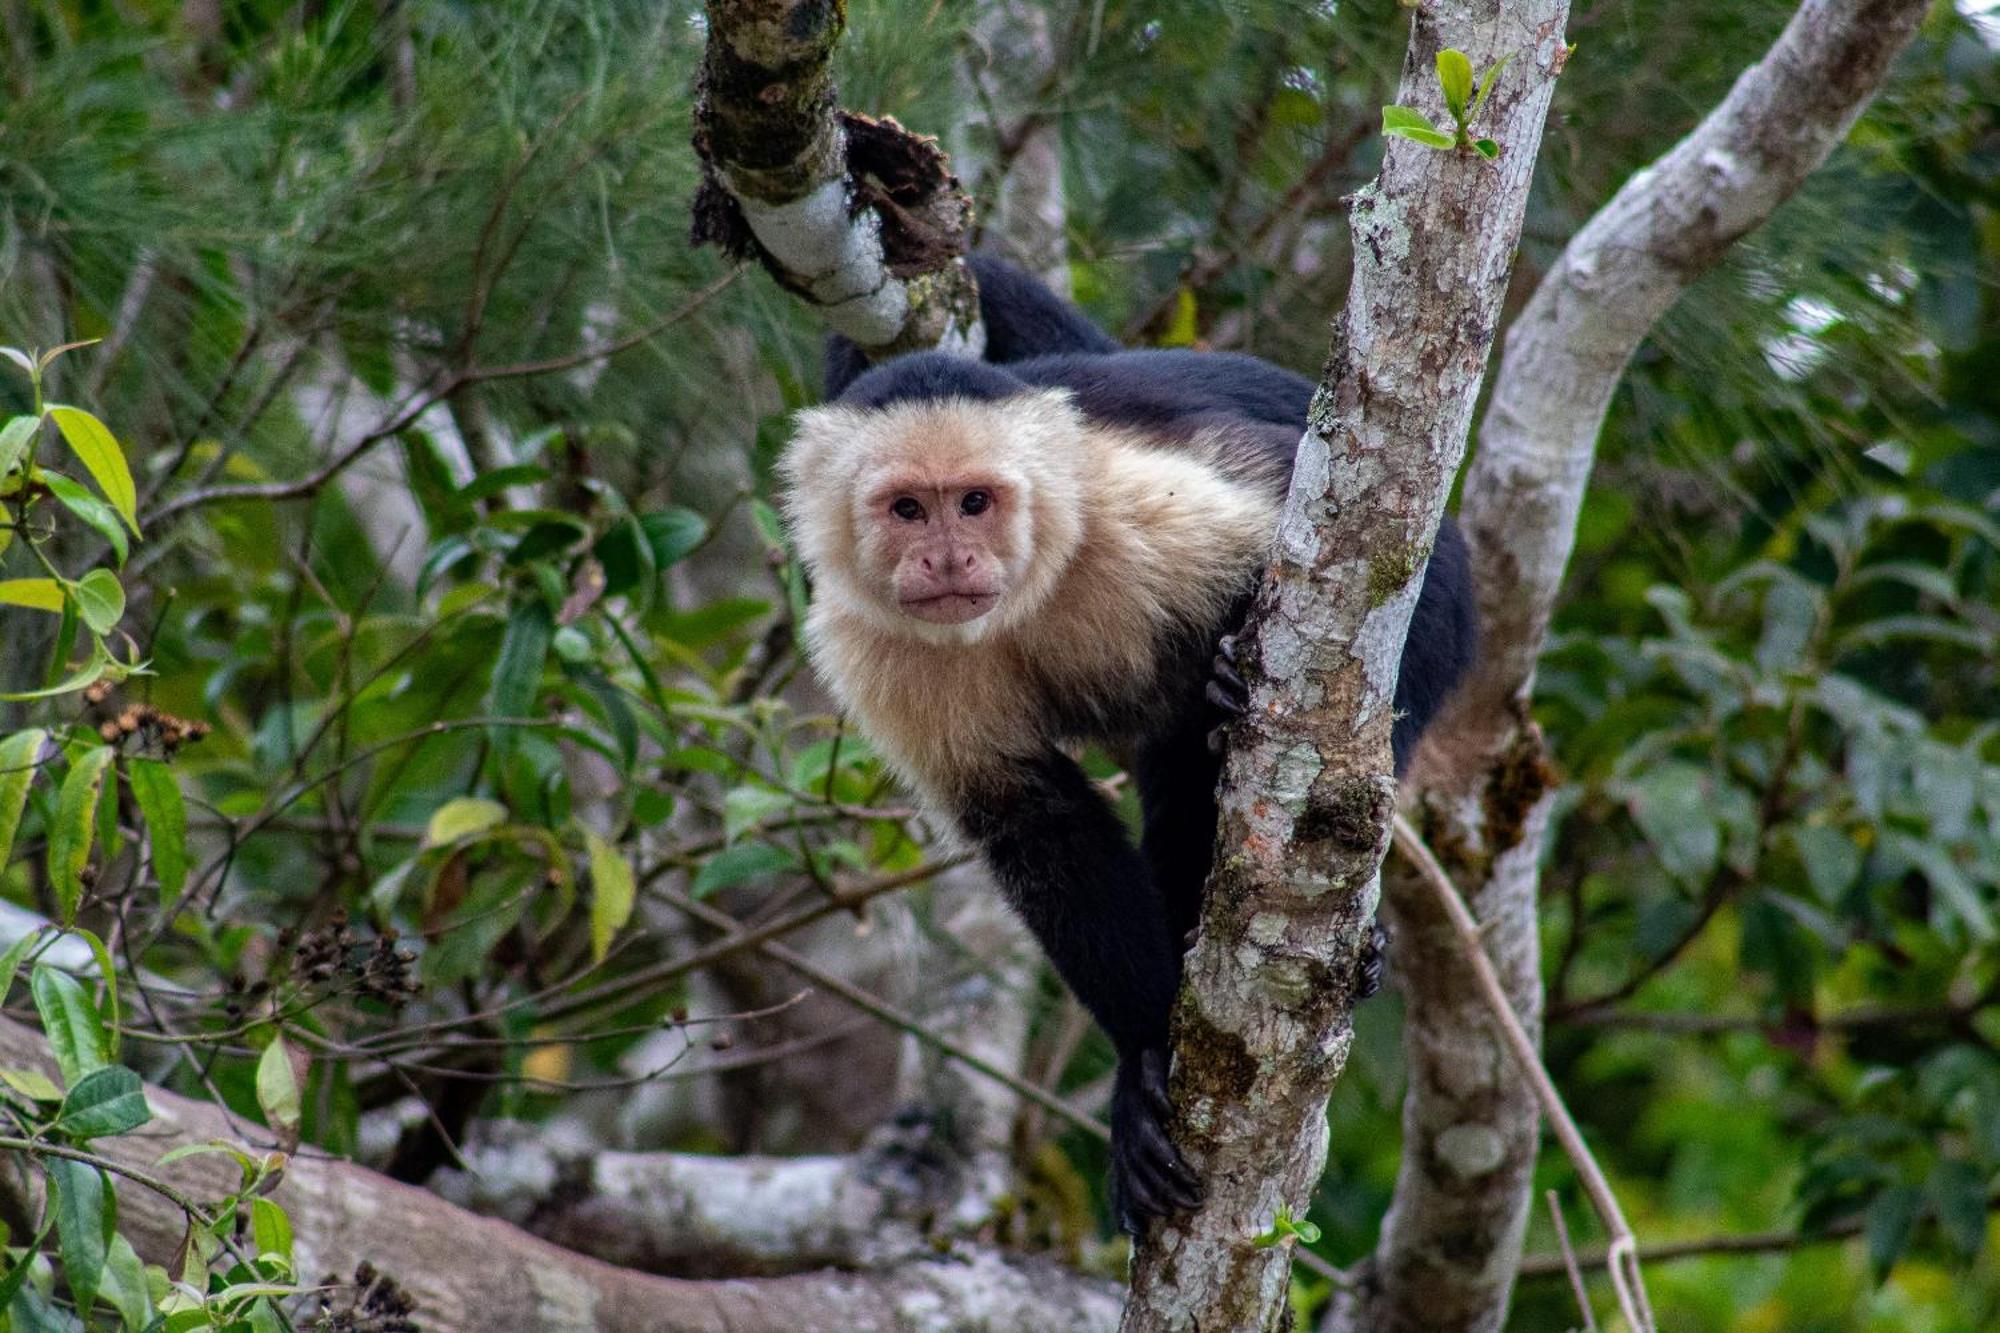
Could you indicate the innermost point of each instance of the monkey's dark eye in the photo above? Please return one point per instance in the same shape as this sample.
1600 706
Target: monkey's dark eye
907 509
975 502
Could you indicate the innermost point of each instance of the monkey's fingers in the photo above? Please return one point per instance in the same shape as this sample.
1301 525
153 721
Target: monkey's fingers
1374 961
1229 703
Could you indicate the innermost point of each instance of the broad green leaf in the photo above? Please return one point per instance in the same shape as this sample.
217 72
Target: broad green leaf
160 801
18 755
1891 1219
743 808
70 834
1673 807
110 1100
1403 123
100 600
35 594
461 818
1831 859
277 1088
1455 77
124 1287
71 1022
86 1212
1400 119
101 456
271 1229
611 893
93 511
109 975
17 441
1958 1197
1487 148
673 534
1954 889
739 865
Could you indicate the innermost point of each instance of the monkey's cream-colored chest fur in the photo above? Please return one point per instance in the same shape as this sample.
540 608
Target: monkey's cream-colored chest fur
1168 542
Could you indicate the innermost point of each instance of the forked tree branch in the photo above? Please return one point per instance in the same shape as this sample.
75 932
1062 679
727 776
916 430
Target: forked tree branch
1462 1198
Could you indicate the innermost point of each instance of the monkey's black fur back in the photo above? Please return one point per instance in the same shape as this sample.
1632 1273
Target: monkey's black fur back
1113 919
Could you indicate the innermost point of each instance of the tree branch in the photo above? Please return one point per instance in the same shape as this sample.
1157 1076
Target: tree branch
1464 1192
876 250
1262 1027
472 1273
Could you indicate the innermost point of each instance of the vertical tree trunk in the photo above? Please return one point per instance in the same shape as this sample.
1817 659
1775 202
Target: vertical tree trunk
1452 1239
1262 1027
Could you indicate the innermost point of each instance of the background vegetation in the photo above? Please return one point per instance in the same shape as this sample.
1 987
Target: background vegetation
467 648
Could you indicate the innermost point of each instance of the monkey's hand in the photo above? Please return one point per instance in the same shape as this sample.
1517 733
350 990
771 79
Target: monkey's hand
1374 961
1149 1178
1226 690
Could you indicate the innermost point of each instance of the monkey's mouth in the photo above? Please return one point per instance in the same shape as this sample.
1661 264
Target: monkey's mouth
950 608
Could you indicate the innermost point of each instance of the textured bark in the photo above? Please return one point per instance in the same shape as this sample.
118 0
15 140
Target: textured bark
695 1215
1451 1241
858 217
1262 1027
469 1273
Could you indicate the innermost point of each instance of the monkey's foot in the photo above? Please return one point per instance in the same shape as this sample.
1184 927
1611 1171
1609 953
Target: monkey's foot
1149 1178
1374 961
1226 690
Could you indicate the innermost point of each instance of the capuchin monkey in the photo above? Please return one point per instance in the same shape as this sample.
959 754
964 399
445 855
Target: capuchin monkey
1012 559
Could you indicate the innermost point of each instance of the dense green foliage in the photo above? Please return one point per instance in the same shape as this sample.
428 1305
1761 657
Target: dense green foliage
401 769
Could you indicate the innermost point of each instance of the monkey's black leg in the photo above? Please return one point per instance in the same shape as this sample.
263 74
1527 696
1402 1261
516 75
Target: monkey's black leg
1062 857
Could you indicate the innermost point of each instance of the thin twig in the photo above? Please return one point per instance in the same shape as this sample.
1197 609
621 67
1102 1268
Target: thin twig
1622 1255
1569 1263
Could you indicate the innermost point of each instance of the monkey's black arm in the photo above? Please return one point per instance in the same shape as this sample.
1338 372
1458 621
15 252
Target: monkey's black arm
1062 858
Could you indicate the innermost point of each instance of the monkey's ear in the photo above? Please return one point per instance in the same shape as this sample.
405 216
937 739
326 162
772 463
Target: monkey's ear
819 436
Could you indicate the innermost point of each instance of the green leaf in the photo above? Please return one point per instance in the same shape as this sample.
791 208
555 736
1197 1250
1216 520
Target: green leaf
1954 888
110 1100
159 798
124 1287
81 679
1487 78
90 509
1831 858
32 1084
1487 148
100 454
1455 77
70 833
488 484
17 441
517 671
35 594
743 808
10 1285
100 600
673 534
1891 1219
271 1229
86 1212
18 755
1958 1197
10 961
462 818
70 1021
277 1088
1403 123
740 865
611 893
109 974
1672 805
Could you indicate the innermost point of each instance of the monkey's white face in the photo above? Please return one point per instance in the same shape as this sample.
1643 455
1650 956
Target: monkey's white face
940 547
947 521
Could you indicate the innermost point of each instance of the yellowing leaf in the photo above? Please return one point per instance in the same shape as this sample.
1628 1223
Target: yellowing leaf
612 893
38 594
278 1088
100 454
461 818
70 834
18 755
